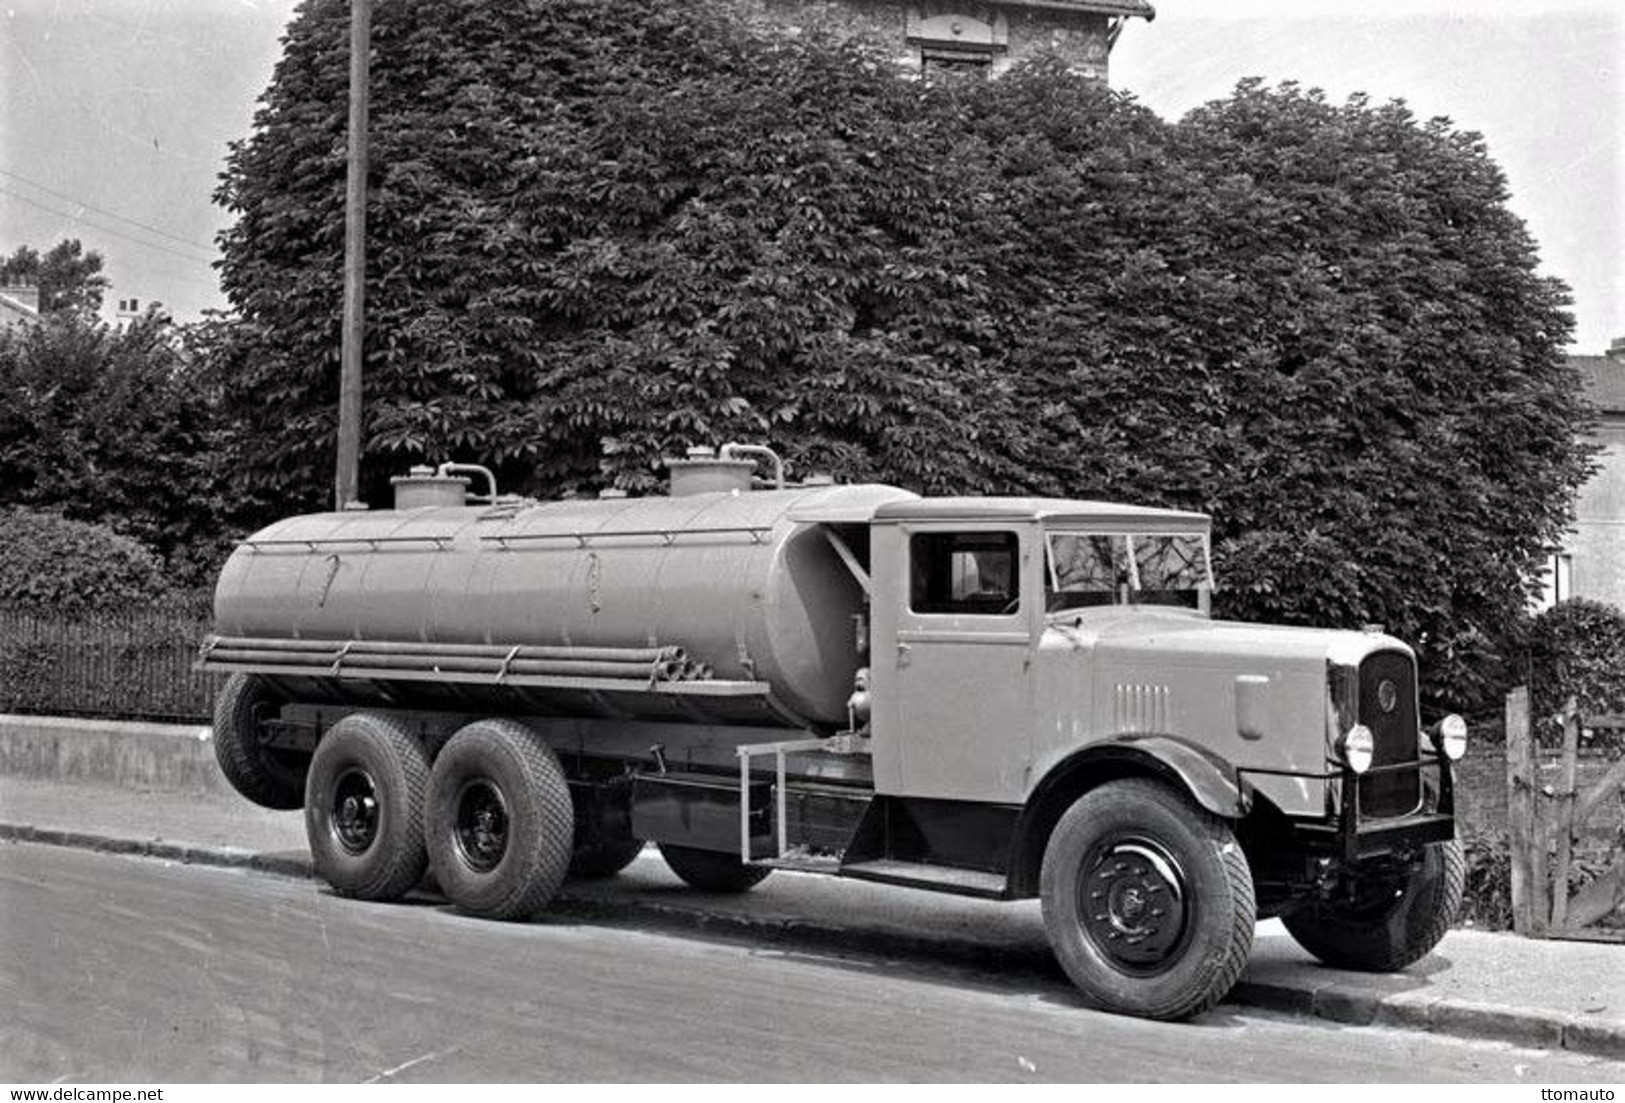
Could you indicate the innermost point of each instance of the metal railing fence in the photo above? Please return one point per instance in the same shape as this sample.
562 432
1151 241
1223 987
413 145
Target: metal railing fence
134 664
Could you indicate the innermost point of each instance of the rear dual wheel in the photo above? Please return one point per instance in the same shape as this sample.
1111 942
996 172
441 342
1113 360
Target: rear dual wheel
364 807
500 821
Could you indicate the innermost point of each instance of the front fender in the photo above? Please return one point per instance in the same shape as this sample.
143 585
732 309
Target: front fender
1208 779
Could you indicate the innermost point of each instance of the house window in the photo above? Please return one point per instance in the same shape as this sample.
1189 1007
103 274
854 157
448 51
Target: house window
964 572
936 63
1556 580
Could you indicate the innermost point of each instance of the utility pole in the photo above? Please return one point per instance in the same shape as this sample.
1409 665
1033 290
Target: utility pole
347 476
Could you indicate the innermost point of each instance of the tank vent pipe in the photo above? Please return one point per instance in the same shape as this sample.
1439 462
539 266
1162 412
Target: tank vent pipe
733 450
472 469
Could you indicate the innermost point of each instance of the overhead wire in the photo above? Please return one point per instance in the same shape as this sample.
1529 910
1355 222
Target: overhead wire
103 210
107 229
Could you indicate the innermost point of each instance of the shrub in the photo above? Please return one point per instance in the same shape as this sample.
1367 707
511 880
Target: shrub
1487 898
52 563
1576 649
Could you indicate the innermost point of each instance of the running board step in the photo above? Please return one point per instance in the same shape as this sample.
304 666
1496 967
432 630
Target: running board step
961 882
803 863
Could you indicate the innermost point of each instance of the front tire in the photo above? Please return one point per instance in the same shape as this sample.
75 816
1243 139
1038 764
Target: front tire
501 824
712 871
1148 901
269 776
364 808
1393 920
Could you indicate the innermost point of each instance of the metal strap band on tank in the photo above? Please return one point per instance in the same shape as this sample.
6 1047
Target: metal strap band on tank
338 660
507 660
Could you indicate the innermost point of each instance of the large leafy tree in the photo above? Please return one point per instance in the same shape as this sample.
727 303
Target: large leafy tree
68 276
1318 322
600 231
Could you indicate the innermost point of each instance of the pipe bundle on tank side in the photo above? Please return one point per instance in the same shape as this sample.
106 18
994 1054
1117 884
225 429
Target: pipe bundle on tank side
642 664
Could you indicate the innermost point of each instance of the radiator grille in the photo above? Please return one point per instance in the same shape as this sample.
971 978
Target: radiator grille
1388 707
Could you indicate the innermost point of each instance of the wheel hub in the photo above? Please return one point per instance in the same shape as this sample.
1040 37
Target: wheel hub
1133 903
482 825
355 811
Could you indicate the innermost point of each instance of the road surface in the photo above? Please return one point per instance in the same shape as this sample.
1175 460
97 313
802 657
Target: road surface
117 969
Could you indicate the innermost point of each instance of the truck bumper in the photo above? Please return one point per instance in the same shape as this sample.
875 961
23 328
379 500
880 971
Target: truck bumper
1347 835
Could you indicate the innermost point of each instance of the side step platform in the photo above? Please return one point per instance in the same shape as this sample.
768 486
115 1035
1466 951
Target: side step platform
960 882
890 871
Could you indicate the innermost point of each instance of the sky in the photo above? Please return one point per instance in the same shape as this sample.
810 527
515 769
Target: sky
115 115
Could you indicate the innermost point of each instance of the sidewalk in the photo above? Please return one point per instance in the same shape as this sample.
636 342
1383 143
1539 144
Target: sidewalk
1488 986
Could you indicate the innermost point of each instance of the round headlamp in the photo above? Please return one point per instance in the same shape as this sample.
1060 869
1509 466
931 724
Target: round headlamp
1356 747
1450 737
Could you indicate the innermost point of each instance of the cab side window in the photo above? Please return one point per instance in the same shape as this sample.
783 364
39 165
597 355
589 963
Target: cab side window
964 572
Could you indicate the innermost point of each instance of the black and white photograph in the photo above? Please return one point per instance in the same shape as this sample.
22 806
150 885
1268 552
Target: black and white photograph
804 542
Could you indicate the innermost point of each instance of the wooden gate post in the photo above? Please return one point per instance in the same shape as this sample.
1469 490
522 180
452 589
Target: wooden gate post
1563 830
1529 902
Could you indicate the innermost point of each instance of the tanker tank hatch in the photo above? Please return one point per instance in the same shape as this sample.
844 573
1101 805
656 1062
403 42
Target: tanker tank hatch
728 469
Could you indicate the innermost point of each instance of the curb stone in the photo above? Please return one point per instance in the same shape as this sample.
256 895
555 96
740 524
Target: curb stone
1332 1002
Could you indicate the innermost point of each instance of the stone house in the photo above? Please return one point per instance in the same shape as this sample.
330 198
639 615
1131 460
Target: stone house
986 36
1591 563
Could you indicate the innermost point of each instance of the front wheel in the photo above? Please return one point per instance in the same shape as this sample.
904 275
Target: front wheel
1148 901
1390 918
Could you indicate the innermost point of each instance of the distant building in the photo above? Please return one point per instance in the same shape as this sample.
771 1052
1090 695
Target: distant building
19 305
1591 562
986 36
128 311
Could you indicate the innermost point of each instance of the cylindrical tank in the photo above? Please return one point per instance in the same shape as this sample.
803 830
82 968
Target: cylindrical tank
729 577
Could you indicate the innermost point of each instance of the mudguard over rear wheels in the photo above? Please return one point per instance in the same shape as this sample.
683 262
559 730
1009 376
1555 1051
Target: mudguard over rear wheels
364 807
1391 919
269 776
500 820
1148 901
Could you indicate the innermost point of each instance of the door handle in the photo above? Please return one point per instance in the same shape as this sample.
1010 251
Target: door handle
902 654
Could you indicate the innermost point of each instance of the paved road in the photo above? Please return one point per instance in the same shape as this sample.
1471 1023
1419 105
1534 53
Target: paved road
125 969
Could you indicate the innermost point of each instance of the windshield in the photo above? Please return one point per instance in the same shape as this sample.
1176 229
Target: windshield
1120 569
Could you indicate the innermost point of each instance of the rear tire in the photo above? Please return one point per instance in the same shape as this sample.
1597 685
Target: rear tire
364 808
1399 921
601 860
1148 901
712 871
501 825
268 776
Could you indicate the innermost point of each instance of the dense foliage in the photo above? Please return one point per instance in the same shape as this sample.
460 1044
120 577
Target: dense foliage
68 277
114 425
1576 651
600 231
53 564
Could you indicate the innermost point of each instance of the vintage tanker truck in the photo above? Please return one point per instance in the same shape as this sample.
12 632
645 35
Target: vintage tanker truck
996 697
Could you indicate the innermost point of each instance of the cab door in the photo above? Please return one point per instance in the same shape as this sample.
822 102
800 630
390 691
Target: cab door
953 670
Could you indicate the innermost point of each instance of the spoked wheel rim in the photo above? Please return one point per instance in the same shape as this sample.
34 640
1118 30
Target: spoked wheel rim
355 811
1135 905
481 828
